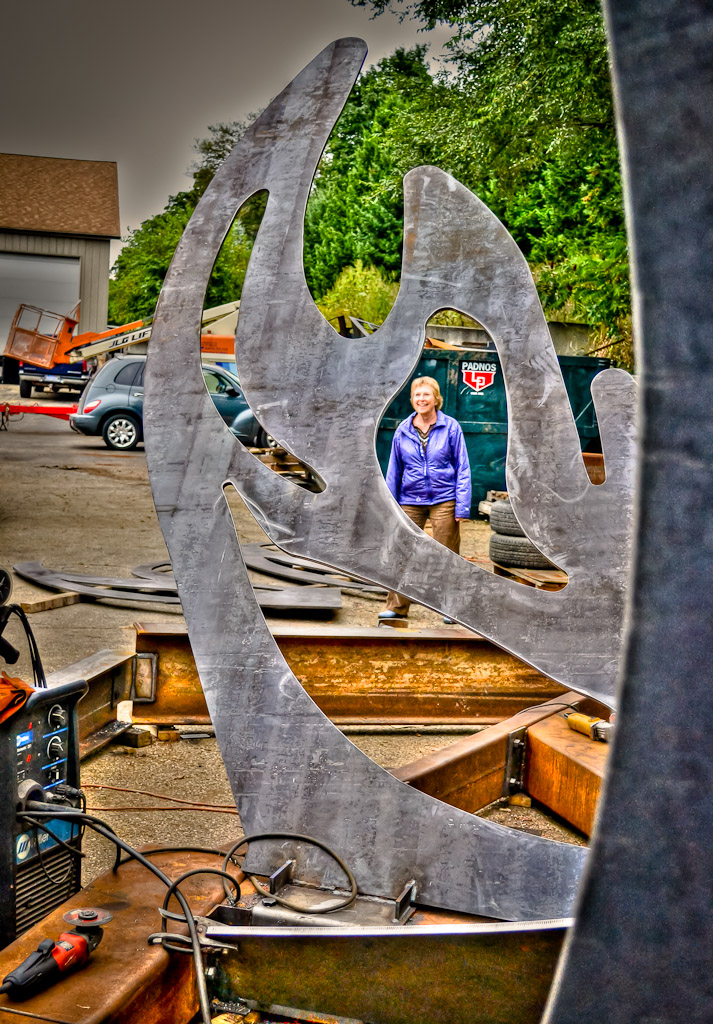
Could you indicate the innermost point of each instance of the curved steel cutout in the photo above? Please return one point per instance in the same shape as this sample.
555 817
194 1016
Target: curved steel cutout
289 767
300 378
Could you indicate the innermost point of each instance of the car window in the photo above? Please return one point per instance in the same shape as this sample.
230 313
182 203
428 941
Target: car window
127 373
231 376
215 383
106 373
139 382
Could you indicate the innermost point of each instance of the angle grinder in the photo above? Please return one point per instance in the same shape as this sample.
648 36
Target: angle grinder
54 958
595 728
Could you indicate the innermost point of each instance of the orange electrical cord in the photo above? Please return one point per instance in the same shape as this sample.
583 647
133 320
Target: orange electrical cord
205 808
190 805
147 792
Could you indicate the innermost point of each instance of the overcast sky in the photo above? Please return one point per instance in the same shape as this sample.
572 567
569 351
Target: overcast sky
137 81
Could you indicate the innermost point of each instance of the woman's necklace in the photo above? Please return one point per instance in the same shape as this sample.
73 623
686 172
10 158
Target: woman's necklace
423 434
423 426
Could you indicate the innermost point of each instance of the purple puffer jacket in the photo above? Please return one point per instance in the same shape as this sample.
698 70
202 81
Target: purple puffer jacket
442 473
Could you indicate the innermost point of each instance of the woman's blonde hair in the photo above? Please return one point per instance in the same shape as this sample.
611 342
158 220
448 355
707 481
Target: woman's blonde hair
432 384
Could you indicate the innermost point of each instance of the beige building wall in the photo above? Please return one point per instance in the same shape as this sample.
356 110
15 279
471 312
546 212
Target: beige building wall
94 257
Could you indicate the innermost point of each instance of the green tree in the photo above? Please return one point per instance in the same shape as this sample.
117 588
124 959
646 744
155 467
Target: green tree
355 212
524 118
362 291
522 115
140 268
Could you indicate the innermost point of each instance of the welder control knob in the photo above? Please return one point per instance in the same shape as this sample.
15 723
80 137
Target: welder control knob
55 748
88 917
57 716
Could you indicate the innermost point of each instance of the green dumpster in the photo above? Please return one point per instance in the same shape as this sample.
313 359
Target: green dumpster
471 382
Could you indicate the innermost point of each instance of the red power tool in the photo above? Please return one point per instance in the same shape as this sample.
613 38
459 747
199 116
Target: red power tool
53 959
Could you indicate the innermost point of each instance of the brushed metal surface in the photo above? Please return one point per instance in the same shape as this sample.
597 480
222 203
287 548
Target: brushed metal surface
322 396
644 926
493 974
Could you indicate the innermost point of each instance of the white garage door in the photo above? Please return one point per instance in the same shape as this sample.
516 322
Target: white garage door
50 282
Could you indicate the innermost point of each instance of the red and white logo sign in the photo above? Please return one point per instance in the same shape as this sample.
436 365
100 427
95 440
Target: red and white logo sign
478 375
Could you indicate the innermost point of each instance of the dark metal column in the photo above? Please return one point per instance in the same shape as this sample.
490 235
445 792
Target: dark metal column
643 943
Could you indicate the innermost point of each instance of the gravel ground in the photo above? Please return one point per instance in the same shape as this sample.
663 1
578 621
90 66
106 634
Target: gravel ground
190 770
74 505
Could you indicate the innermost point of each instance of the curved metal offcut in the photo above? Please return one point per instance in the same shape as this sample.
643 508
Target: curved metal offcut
289 767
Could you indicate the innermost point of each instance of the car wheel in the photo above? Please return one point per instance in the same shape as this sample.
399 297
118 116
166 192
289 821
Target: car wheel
519 552
265 440
121 432
25 389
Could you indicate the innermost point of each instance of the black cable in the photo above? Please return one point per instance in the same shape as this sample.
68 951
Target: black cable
59 811
175 849
38 672
40 856
6 987
339 904
168 941
107 832
117 860
200 871
45 872
549 704
57 839
36 808
83 799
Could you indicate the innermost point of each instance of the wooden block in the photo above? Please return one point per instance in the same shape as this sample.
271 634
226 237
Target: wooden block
564 770
544 579
167 734
45 604
135 738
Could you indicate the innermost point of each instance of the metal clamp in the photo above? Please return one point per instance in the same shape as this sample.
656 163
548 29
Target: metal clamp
144 670
514 762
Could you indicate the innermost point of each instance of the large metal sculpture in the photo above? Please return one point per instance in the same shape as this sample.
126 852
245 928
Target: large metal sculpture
322 396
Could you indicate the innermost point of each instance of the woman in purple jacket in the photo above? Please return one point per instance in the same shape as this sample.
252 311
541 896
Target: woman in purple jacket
429 475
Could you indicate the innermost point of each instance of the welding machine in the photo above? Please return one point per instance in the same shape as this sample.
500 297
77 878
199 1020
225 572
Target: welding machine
39 760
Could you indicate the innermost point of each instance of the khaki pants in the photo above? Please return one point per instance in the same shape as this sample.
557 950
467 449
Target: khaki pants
445 530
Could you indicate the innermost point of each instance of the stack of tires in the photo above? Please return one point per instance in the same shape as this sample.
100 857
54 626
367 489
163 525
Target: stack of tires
508 544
